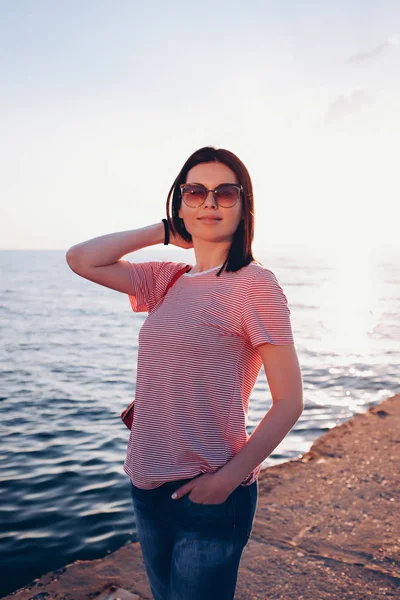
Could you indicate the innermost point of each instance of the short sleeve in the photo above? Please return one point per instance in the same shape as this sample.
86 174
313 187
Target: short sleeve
266 313
149 282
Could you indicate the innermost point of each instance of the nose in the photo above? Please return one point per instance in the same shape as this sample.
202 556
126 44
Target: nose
210 200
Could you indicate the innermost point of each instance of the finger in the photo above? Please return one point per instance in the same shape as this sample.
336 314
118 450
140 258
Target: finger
179 492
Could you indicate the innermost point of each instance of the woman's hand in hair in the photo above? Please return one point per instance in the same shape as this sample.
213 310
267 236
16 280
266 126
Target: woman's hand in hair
177 240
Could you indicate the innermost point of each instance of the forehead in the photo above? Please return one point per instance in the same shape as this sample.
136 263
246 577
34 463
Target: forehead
211 174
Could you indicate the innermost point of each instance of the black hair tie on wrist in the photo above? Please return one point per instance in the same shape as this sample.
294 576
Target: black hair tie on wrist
166 232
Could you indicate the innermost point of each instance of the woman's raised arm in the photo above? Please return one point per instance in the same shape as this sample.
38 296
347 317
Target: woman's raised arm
98 259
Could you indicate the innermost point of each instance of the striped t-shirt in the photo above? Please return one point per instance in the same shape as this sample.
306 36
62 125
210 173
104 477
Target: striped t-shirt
197 366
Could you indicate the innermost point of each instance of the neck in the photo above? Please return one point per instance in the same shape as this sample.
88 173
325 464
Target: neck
209 256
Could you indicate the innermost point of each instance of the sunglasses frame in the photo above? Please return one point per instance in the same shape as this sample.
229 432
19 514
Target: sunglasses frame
239 187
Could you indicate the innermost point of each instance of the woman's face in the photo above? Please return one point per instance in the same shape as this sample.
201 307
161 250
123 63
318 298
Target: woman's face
211 175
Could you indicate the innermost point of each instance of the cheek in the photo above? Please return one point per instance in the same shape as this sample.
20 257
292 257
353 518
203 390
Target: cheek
183 215
187 221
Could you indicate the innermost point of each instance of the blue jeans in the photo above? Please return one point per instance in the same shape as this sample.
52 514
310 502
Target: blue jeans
192 551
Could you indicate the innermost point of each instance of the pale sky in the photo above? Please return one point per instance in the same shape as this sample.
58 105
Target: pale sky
103 101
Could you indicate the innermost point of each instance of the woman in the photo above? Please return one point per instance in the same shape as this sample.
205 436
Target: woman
201 349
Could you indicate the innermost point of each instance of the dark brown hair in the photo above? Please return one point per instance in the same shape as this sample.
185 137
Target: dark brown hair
240 253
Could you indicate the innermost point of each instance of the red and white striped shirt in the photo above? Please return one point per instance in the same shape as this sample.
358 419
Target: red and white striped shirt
197 366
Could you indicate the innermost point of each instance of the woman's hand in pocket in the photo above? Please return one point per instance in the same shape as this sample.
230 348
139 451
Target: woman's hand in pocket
205 489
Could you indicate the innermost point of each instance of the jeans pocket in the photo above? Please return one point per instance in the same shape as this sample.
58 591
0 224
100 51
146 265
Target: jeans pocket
210 519
225 502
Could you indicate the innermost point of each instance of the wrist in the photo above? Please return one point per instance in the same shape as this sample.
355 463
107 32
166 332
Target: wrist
157 230
226 480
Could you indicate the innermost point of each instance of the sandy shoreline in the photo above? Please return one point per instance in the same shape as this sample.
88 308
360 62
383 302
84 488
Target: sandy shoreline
325 527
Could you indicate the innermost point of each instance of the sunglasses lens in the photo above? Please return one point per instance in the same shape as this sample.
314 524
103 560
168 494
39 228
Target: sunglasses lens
194 195
227 195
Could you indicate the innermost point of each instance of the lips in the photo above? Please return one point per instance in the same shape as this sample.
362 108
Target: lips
209 219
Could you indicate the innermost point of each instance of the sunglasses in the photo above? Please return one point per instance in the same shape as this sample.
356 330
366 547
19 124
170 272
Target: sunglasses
225 194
